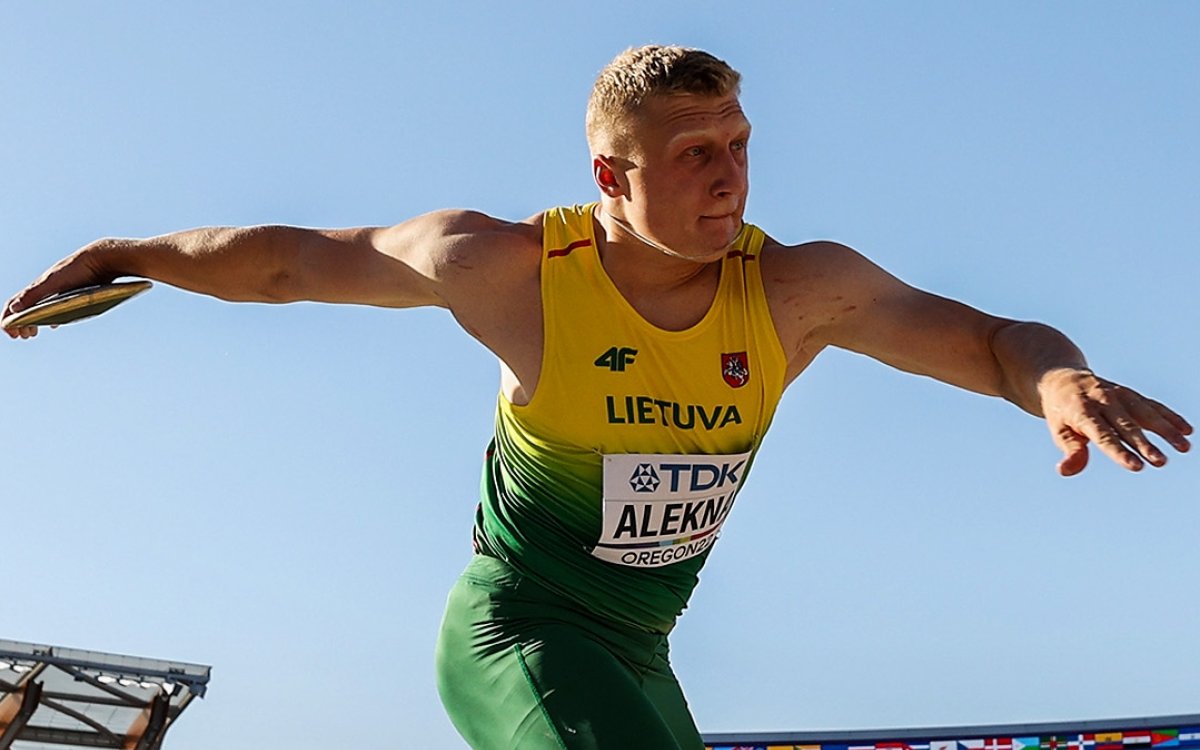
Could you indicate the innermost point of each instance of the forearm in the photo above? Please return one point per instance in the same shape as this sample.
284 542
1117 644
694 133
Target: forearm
245 264
1027 353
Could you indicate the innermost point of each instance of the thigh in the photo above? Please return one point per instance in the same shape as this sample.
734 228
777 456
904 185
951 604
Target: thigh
518 675
663 690
592 699
481 681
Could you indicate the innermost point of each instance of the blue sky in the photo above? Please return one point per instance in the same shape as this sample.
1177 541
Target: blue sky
286 493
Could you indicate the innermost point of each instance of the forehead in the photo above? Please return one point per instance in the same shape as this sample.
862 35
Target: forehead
671 116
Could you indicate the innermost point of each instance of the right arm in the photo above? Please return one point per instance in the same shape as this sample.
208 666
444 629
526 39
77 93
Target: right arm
421 262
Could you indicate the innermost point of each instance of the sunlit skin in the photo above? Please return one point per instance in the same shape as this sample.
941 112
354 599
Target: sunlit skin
682 192
685 185
673 183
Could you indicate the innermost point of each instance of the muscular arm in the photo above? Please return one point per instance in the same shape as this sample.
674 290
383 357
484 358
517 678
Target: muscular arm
419 262
824 294
368 265
485 271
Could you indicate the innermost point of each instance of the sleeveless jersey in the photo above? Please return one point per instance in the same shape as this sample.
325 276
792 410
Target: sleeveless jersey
610 485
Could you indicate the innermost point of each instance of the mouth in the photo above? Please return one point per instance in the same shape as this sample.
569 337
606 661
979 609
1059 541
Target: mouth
720 212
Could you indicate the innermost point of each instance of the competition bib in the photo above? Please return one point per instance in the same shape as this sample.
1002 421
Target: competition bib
660 509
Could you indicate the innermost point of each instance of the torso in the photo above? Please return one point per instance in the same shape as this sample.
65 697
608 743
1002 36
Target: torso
609 482
681 332
506 316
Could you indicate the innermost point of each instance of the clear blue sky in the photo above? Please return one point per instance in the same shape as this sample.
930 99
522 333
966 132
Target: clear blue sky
287 493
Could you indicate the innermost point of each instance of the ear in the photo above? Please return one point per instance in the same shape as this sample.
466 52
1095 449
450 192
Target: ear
606 177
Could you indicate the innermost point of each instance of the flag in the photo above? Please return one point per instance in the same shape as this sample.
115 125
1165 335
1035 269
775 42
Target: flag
1109 741
1082 742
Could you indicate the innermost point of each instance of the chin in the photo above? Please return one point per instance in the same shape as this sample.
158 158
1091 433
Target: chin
725 228
719 243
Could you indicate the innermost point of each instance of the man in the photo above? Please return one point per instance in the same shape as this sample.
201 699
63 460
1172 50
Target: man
644 343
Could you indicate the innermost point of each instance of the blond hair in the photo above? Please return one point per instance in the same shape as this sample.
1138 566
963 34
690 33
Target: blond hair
639 73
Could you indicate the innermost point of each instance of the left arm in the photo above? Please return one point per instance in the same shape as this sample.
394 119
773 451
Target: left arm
826 294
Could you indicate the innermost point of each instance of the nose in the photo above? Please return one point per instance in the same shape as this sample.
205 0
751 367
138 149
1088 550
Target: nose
732 175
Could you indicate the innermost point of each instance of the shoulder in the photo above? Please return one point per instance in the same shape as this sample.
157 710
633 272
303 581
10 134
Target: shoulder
458 247
822 269
817 287
462 233
818 255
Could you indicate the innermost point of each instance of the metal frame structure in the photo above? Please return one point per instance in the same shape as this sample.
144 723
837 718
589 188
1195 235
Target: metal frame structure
68 698
1180 732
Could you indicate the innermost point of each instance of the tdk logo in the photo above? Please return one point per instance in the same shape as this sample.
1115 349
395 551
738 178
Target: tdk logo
681 477
644 478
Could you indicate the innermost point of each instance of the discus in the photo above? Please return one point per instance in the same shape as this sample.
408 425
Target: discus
76 304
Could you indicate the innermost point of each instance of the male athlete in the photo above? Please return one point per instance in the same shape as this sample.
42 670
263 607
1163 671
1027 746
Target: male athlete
644 342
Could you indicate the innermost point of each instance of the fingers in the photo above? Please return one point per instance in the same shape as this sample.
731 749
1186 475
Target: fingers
1075 452
1115 432
76 270
15 305
1121 431
26 296
1160 420
20 332
23 332
1116 419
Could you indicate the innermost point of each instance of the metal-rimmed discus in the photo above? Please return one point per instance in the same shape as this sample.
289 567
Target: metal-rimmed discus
76 304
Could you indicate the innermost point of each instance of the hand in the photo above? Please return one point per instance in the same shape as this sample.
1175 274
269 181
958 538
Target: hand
77 270
1081 408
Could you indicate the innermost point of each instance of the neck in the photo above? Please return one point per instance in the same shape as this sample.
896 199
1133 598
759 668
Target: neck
639 236
626 227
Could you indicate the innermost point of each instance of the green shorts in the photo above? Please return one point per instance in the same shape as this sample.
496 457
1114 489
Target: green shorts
521 668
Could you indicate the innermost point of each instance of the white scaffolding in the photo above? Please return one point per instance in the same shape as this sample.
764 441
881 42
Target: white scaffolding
52 697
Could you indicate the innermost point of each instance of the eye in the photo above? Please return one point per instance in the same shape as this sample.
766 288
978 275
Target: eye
739 145
695 151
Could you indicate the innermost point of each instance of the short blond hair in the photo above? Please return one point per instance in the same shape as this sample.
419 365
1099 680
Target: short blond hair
639 73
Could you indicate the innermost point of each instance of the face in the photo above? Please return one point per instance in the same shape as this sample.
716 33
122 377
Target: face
686 185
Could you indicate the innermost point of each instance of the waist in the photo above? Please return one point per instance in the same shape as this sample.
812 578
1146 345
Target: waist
518 601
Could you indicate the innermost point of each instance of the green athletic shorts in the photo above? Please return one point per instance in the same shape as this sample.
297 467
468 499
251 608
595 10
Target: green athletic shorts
521 668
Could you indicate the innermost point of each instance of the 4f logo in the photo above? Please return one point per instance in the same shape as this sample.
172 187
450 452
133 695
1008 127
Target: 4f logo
616 358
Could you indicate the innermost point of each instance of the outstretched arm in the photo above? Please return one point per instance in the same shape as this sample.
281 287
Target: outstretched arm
844 300
406 265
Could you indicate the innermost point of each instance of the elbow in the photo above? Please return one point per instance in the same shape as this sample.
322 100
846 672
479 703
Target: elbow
277 275
279 286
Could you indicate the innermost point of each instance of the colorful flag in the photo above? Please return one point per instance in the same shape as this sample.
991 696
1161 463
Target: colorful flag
1109 741
1081 742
